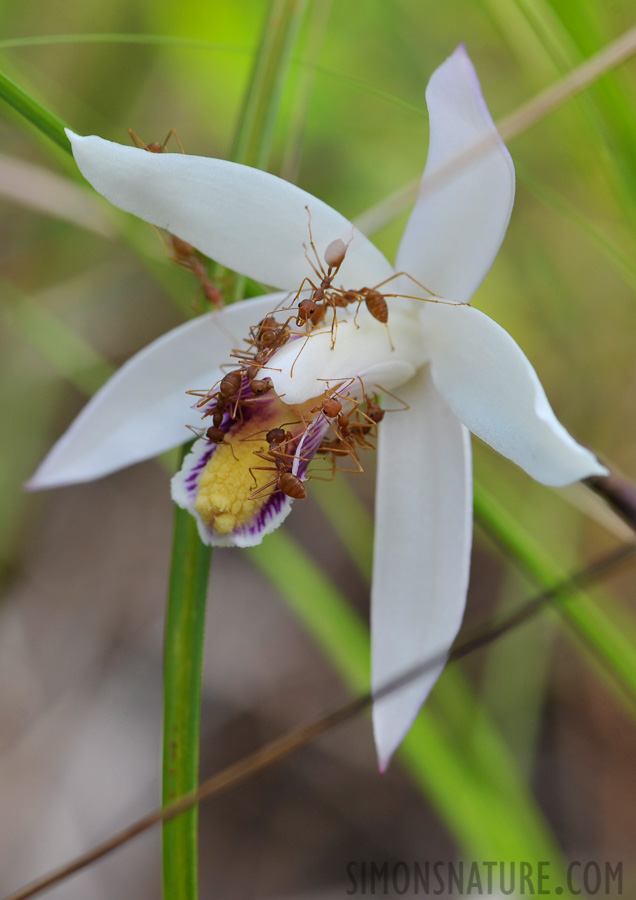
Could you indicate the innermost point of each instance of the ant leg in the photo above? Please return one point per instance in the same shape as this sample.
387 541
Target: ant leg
297 295
403 404
355 318
137 141
320 272
388 331
172 133
291 371
264 488
263 469
410 277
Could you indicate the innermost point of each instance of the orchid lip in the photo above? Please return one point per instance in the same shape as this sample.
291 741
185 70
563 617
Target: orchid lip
232 487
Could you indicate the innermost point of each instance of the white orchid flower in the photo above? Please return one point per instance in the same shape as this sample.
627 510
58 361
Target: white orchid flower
452 365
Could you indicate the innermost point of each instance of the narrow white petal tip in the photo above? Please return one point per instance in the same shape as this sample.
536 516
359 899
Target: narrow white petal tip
388 734
492 388
463 209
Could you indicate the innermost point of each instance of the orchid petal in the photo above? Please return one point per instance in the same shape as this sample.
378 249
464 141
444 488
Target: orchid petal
489 384
423 530
458 223
246 219
308 366
143 409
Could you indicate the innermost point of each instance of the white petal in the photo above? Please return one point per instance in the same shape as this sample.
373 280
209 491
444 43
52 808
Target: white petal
309 365
246 219
458 222
143 409
490 385
423 530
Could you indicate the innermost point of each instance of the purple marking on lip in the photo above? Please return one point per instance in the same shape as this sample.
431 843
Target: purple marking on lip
203 453
277 505
278 501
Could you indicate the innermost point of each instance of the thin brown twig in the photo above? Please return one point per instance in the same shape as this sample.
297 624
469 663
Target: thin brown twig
282 747
512 125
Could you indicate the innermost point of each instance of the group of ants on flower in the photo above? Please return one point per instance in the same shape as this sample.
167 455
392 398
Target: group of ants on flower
234 398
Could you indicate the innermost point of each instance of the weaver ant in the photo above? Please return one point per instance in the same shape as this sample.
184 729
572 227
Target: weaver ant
331 406
214 435
229 389
290 485
184 253
265 338
311 311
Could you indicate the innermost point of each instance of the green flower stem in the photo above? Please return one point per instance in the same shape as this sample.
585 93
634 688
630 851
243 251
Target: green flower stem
183 666
34 111
190 560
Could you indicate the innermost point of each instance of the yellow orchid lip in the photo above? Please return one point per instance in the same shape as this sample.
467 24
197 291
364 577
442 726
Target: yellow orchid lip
240 476
242 486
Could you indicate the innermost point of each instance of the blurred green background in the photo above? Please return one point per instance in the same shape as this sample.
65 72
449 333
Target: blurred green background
84 568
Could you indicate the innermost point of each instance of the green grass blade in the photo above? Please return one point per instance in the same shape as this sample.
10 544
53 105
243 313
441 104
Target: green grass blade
470 778
69 354
609 633
34 111
257 121
183 664
349 519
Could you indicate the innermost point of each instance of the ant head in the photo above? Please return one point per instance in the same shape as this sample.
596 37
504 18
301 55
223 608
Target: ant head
331 407
307 310
260 386
215 435
275 435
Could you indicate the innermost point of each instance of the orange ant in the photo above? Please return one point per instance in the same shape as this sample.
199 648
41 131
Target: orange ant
265 338
229 389
184 253
311 311
290 485
155 147
375 301
214 435
349 435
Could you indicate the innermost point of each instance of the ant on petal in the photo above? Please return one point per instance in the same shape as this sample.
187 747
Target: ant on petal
184 253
